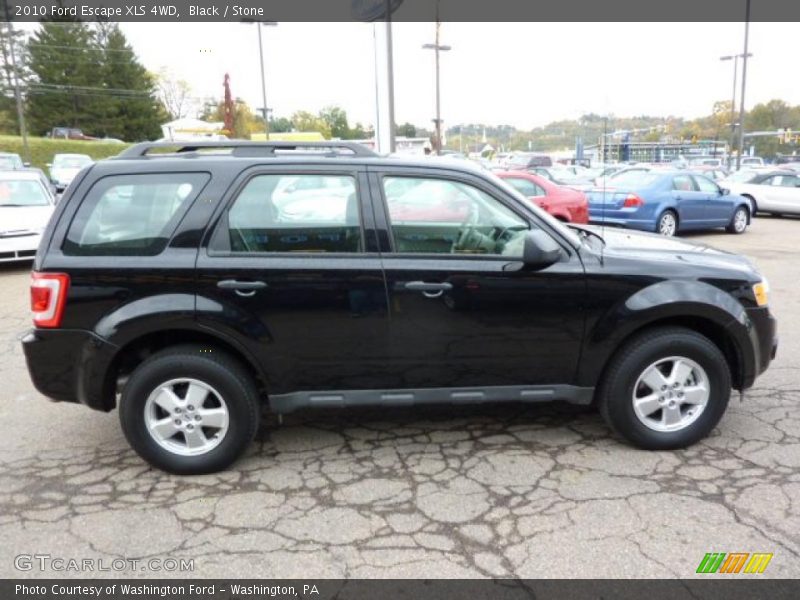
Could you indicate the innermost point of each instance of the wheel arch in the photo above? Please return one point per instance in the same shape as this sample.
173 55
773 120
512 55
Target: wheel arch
138 349
694 305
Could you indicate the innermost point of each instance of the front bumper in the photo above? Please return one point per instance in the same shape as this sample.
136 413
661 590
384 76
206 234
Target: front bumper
71 365
763 333
20 247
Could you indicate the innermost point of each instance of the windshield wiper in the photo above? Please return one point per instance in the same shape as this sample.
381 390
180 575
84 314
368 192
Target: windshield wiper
588 232
13 204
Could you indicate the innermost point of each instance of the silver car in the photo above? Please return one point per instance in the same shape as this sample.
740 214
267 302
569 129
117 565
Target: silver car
26 206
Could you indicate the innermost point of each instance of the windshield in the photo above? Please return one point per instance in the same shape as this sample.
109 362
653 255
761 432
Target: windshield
552 221
22 193
71 162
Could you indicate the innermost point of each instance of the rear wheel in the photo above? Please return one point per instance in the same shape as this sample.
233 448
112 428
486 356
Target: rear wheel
666 389
667 223
190 410
739 220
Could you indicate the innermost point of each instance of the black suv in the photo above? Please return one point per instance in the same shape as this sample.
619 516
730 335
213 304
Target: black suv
190 285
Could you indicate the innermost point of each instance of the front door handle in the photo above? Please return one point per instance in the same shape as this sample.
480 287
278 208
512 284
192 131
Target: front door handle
242 288
423 286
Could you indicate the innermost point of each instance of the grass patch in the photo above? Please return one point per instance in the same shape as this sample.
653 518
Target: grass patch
43 149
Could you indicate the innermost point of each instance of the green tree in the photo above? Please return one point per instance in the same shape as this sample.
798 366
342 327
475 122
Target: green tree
8 106
87 76
132 112
280 125
303 120
408 130
336 120
64 61
245 121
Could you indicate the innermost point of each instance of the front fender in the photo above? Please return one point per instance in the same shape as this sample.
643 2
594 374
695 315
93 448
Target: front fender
664 302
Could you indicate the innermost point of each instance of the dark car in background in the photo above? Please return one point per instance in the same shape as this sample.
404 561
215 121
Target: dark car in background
173 287
522 161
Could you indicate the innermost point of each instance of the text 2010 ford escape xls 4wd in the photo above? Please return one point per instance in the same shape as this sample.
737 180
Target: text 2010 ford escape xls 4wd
190 287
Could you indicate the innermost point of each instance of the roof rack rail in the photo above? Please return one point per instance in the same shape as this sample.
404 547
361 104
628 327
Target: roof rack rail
244 148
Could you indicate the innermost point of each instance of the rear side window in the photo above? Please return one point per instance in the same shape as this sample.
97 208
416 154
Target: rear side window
131 215
296 213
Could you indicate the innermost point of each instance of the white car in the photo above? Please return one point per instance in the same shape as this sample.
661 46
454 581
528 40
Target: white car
26 206
774 192
65 167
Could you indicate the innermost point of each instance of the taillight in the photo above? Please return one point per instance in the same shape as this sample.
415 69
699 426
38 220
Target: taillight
632 201
48 297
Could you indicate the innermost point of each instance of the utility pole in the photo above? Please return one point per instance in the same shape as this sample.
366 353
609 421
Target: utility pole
23 131
258 25
744 83
437 48
735 58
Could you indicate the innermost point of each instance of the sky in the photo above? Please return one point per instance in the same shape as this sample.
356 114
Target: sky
521 74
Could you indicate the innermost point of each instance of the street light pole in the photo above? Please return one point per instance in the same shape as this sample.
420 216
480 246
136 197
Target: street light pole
263 74
437 47
744 83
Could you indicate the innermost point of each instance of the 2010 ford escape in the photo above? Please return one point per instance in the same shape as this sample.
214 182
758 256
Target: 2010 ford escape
187 285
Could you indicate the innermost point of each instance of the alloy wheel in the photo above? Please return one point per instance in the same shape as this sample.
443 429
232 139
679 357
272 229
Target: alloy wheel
671 394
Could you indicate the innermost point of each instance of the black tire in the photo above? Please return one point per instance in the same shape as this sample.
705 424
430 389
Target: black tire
211 367
739 221
616 393
662 223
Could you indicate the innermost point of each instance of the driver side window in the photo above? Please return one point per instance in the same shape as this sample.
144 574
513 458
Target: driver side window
440 216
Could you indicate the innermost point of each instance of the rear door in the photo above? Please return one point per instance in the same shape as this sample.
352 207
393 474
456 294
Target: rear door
291 271
464 311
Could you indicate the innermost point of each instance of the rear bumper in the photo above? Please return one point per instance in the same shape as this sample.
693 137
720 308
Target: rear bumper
71 366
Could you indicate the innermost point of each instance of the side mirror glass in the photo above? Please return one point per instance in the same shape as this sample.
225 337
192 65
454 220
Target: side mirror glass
540 250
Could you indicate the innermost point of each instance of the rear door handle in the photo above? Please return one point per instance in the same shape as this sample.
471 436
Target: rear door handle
423 286
242 288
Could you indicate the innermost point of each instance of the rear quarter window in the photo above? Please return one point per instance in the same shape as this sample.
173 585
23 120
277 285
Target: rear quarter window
131 215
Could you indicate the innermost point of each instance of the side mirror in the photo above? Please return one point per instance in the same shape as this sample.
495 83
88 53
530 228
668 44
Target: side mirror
26 164
724 191
540 250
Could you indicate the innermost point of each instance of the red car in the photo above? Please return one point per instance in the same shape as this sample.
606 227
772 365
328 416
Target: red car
564 203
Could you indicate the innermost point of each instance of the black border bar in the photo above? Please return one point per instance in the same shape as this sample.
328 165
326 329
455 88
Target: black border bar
712 587
403 10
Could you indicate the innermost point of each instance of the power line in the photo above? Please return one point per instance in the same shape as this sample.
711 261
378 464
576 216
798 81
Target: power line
79 49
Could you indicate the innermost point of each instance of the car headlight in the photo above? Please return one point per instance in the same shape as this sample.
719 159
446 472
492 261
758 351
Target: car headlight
761 292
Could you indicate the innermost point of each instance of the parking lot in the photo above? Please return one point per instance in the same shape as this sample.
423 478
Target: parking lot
520 491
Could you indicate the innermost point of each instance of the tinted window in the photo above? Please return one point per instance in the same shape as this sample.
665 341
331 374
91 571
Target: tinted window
448 217
525 186
706 185
296 213
131 215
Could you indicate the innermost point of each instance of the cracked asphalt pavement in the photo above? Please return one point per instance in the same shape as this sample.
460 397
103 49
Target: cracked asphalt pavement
505 491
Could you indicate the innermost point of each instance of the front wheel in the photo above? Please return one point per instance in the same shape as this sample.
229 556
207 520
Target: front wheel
665 389
667 223
190 410
739 220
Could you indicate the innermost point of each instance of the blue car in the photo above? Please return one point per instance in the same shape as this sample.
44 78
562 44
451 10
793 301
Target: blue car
667 202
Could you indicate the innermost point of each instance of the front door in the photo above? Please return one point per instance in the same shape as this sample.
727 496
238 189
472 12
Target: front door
292 268
718 206
464 311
